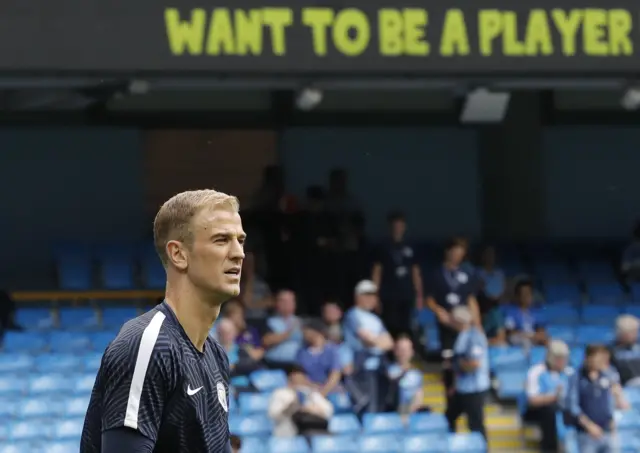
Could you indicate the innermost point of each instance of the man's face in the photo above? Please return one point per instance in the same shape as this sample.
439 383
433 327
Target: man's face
398 228
456 254
630 337
227 332
367 301
286 303
559 363
214 259
313 337
598 362
403 350
525 296
331 313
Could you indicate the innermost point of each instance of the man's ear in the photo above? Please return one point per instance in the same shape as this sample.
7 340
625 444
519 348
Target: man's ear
178 254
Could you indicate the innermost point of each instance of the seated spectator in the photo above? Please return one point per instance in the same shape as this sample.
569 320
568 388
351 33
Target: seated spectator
545 384
319 358
255 292
226 334
630 266
299 409
332 317
493 325
524 323
236 443
284 337
248 337
490 278
406 394
625 351
369 340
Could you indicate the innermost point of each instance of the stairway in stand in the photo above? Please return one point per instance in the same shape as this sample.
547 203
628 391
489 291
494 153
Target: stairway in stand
503 424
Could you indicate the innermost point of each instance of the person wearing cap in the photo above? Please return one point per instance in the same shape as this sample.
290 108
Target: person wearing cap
319 358
366 335
545 384
397 273
589 404
470 364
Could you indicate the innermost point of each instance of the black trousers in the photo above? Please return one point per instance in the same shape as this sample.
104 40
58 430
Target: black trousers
545 418
471 404
396 315
447 337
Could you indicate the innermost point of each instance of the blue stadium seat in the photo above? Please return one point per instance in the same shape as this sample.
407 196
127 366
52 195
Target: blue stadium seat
250 403
628 441
605 293
594 334
60 447
600 314
426 318
240 382
8 409
50 384
596 271
511 383
41 407
27 430
254 444
250 425
116 266
562 332
382 423
537 354
379 443
75 407
344 424
428 423
20 447
504 358
296 444
35 318
115 317
63 363
12 385
334 444
153 273
467 443
425 443
635 292
628 421
74 265
632 309
69 342
562 293
100 340
68 429
553 272
91 362
78 318
267 380
576 356
83 384
16 363
25 342
341 402
562 313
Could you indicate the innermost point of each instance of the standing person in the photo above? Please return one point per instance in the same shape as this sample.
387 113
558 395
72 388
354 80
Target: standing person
397 273
163 384
590 402
471 368
449 288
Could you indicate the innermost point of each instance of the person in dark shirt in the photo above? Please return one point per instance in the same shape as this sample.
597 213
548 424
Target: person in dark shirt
525 324
163 384
625 351
448 288
397 273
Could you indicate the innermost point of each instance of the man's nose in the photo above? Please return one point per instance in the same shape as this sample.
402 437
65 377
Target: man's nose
237 251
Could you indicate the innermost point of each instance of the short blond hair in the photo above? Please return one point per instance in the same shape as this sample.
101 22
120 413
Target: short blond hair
173 221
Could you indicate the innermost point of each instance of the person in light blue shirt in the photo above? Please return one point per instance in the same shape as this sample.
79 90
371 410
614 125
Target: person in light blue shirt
525 324
546 383
407 394
366 335
471 370
284 337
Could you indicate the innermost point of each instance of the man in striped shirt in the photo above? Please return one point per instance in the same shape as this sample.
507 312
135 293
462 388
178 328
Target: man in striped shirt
163 384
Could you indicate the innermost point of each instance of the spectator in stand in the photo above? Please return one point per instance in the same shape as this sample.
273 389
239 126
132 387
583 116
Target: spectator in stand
366 335
248 338
332 318
283 339
470 364
299 409
227 334
397 273
525 324
236 443
630 265
546 383
490 278
319 358
339 201
254 290
451 287
406 383
625 351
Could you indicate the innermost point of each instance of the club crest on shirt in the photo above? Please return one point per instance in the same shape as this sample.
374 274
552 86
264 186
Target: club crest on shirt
222 396
462 278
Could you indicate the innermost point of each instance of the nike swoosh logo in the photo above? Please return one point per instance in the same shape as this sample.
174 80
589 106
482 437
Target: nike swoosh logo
191 391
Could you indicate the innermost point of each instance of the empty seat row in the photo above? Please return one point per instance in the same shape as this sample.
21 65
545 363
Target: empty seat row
65 446
57 341
43 407
60 384
42 430
26 363
74 318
